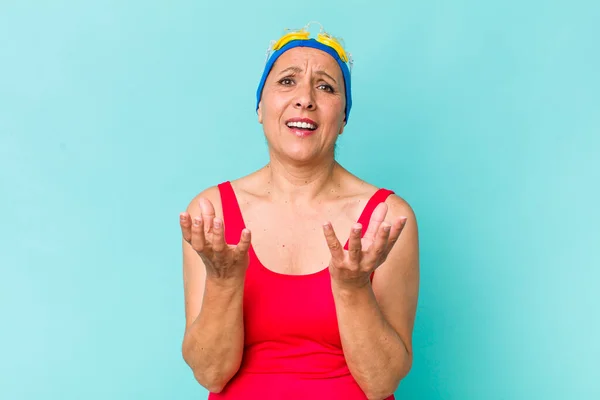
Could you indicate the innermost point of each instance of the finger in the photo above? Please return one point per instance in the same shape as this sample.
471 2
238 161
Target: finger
208 213
242 248
378 248
198 240
218 238
377 218
395 232
355 245
335 248
186 226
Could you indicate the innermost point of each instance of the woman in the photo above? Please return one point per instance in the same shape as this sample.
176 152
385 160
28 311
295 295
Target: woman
276 307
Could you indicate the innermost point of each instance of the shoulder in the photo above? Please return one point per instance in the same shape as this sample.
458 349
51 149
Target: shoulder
240 185
364 190
212 194
402 260
406 249
399 207
403 256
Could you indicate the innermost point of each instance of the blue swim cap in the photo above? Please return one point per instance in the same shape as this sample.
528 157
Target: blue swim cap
316 45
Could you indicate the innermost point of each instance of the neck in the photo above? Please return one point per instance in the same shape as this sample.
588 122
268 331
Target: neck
300 183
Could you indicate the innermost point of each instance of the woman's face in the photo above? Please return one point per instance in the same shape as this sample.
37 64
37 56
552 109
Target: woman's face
303 104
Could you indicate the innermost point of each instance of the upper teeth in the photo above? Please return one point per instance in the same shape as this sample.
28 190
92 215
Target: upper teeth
304 125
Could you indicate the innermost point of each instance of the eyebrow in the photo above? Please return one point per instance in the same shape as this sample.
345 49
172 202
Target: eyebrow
296 69
291 69
327 75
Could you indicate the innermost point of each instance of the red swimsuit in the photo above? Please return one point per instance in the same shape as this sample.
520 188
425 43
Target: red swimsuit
292 346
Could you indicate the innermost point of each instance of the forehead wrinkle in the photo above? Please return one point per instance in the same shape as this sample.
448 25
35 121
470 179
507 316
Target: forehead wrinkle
303 57
318 70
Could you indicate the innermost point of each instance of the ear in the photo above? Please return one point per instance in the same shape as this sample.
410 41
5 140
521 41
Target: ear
259 112
342 128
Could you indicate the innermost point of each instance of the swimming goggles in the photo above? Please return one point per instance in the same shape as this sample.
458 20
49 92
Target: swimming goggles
323 37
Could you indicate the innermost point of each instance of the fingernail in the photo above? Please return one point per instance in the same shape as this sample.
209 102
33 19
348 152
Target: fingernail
196 221
386 227
181 217
356 228
403 220
217 223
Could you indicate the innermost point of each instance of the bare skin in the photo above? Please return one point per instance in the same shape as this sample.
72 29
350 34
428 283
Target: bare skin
299 211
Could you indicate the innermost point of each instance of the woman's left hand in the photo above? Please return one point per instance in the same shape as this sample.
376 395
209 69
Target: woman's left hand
353 268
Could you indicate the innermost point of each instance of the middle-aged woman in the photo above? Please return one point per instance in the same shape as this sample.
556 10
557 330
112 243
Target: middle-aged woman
277 307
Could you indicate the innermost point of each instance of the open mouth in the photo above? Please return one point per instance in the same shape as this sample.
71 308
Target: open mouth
302 125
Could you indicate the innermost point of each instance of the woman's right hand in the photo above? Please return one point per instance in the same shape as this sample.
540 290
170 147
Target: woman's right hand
205 233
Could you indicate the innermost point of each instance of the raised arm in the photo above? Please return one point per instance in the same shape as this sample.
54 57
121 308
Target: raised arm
376 319
213 275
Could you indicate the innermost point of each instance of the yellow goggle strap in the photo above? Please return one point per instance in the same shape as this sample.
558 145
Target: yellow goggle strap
304 35
288 37
329 41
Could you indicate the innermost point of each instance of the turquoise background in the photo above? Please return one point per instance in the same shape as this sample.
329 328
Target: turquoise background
484 115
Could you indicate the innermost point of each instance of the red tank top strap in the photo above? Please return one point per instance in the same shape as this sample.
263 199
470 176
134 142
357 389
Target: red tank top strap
232 215
378 197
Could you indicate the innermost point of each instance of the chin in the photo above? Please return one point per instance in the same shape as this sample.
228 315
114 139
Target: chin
300 154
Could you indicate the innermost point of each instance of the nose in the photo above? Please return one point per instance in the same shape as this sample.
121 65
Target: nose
305 97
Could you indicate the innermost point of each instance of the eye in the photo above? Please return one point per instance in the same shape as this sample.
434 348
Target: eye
286 81
326 87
